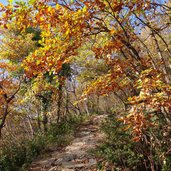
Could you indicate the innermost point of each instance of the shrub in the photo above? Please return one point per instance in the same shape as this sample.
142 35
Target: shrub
121 152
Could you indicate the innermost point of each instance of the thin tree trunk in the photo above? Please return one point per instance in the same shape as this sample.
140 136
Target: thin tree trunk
86 108
31 127
59 102
76 98
45 121
67 103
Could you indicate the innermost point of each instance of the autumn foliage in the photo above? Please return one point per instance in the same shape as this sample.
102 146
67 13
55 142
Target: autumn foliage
130 39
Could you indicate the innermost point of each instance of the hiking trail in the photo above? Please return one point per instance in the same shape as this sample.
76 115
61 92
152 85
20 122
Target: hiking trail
76 156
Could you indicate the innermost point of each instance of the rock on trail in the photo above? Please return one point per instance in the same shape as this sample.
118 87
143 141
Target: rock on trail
74 157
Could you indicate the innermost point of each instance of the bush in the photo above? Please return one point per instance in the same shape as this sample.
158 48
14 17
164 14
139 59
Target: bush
121 152
118 149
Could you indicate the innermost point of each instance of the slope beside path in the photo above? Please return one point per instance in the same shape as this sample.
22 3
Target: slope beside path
76 156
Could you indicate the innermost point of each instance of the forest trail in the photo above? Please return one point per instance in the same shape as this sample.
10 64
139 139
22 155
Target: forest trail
76 156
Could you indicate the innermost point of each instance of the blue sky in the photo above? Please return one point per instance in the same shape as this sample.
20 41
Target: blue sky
6 1
3 1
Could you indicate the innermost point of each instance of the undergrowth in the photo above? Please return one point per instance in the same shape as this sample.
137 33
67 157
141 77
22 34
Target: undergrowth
119 152
15 157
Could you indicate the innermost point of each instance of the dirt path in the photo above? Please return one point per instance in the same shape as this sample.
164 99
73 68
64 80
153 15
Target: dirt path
74 157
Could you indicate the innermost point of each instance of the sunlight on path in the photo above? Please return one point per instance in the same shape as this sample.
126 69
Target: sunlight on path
75 157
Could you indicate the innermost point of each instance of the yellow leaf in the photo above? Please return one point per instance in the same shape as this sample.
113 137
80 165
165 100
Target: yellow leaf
113 31
57 6
38 62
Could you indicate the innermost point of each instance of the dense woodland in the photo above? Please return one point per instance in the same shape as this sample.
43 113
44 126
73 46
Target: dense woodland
63 59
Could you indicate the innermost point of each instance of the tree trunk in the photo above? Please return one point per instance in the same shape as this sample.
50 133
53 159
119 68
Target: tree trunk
59 102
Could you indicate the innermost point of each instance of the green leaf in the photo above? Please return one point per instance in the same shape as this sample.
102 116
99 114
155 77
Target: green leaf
31 2
10 1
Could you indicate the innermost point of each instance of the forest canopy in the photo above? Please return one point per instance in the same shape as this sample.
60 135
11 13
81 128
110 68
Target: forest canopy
84 56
